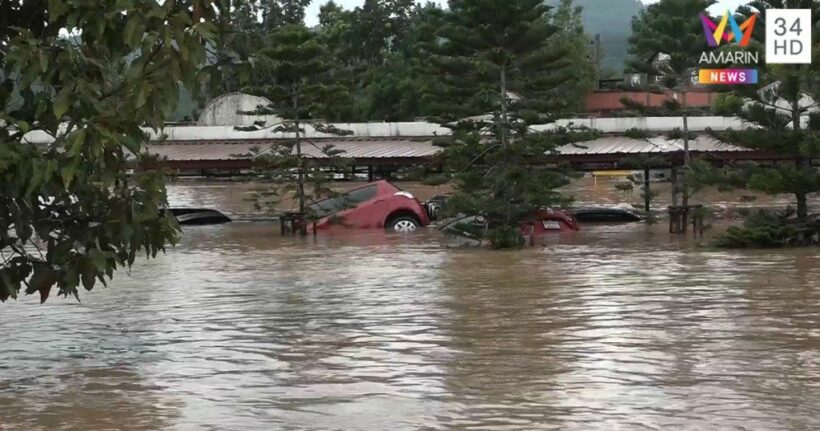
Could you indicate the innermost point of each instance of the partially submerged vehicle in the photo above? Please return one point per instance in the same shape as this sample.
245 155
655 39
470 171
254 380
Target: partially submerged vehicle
543 222
376 205
199 216
604 215
547 221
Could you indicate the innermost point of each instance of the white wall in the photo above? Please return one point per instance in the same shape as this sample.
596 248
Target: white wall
422 129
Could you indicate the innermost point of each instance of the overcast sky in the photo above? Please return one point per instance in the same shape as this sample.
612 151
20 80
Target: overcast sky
313 9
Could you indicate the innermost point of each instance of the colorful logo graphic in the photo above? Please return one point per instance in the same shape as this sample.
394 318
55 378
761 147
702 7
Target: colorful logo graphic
717 33
727 76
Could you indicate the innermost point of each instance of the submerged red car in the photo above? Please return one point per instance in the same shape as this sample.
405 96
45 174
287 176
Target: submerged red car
549 221
377 205
543 222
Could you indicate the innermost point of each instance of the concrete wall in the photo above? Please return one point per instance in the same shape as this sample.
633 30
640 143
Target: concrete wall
420 129
360 130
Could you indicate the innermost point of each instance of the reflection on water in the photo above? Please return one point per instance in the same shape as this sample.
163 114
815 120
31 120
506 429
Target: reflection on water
615 327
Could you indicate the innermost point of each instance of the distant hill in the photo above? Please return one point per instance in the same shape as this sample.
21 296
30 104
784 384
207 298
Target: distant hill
612 19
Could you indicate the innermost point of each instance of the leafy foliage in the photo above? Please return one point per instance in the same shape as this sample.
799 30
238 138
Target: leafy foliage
279 13
672 28
783 119
498 73
667 42
70 214
298 79
380 48
726 104
571 38
768 229
379 52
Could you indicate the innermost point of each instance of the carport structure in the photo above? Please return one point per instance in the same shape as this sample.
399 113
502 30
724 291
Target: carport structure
607 152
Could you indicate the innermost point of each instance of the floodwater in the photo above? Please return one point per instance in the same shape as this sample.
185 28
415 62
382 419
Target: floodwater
614 327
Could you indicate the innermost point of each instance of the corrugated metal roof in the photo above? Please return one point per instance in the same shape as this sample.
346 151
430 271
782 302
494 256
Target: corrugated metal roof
389 148
624 145
354 148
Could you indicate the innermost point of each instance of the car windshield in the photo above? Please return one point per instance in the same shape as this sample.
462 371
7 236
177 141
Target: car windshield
350 199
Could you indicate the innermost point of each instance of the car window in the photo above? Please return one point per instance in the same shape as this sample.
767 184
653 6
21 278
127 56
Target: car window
350 199
328 205
363 194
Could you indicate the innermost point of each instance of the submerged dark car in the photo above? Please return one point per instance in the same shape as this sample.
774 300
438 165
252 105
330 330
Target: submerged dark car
199 216
604 215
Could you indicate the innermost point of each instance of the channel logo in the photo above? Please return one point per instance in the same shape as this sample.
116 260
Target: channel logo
717 33
727 76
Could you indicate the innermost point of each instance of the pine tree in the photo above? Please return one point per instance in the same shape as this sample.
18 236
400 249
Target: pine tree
667 41
495 56
279 13
377 44
783 118
297 77
392 89
572 38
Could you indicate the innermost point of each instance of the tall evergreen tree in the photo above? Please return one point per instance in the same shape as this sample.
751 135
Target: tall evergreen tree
392 89
667 41
495 56
572 38
278 13
783 118
297 77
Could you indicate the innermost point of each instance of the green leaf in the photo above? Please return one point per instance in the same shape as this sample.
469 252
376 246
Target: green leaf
142 94
43 61
8 285
57 8
98 259
134 30
206 30
76 141
67 174
43 279
62 103
88 274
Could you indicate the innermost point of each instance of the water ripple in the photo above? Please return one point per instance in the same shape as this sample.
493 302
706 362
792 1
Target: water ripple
239 329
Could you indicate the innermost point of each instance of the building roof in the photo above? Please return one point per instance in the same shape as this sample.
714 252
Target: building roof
357 148
659 145
407 148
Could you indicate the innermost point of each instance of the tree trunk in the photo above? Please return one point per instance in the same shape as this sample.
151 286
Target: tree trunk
687 157
504 118
802 164
505 143
802 206
300 174
647 199
675 188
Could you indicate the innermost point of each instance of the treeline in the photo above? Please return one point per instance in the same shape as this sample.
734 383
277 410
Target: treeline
379 51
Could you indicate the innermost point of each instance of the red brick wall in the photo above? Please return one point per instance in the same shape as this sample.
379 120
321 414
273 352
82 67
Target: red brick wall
610 100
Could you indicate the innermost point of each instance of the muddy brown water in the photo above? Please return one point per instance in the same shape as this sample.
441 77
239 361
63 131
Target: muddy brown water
614 327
